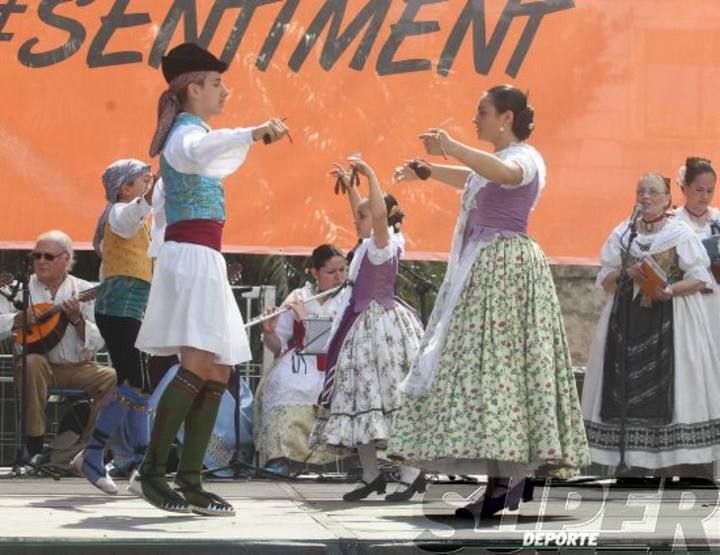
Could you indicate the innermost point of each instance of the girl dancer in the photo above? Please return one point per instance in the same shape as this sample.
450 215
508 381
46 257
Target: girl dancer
374 340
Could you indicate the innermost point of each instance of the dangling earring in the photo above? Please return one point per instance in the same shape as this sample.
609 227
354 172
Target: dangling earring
502 129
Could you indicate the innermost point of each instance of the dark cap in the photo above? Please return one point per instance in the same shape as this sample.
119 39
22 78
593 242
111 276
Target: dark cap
189 57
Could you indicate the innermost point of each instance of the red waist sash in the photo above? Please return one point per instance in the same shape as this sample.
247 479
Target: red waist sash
207 233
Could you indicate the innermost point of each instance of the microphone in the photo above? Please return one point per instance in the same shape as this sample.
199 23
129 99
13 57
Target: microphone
635 215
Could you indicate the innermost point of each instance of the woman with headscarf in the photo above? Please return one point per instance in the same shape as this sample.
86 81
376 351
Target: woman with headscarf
121 240
191 309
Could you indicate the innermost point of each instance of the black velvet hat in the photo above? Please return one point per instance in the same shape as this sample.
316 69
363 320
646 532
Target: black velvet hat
189 57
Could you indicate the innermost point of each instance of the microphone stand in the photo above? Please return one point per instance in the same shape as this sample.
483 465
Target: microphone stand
422 287
624 280
236 461
22 457
21 454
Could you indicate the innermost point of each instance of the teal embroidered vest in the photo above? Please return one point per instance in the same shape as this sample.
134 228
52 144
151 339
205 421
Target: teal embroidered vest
190 196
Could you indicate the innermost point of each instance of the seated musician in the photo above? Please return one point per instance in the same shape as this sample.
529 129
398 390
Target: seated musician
70 363
285 398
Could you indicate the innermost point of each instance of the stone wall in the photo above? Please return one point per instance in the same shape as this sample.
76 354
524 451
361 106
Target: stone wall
581 304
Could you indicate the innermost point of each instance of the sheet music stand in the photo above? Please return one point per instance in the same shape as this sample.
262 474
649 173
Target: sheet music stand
317 332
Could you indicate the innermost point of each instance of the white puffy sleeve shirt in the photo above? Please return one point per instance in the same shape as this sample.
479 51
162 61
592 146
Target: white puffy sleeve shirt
692 256
72 348
199 150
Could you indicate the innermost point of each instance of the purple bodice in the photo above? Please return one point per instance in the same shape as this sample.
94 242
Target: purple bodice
500 211
374 282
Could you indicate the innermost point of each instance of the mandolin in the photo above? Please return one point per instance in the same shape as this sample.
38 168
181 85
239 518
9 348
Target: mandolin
50 325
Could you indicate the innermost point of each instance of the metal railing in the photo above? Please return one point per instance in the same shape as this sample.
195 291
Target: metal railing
251 300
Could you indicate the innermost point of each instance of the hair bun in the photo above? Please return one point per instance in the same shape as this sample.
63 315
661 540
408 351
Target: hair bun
694 160
695 166
396 216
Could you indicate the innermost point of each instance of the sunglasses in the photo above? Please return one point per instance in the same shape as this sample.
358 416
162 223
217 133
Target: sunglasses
46 255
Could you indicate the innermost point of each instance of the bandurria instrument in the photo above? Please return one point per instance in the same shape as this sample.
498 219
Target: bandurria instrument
50 325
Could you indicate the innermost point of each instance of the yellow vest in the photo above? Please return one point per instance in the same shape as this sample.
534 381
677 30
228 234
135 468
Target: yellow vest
127 257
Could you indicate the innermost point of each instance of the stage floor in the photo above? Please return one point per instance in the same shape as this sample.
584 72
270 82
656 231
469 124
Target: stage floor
40 515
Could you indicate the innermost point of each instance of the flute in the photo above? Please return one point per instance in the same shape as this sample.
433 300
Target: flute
330 292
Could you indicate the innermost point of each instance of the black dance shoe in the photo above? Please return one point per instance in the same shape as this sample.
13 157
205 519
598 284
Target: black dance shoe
508 500
200 500
490 506
377 486
472 510
418 486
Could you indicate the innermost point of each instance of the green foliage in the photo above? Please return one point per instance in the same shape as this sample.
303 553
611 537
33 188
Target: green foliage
284 272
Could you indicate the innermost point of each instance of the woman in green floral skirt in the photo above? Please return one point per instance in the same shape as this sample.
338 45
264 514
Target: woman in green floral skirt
492 390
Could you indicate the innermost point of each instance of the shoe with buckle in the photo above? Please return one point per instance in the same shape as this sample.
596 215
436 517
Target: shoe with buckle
377 486
418 486
508 500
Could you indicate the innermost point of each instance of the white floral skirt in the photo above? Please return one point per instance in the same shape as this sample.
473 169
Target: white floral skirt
374 358
503 396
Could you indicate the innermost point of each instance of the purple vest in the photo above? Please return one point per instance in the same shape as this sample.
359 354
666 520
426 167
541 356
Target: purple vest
499 209
374 282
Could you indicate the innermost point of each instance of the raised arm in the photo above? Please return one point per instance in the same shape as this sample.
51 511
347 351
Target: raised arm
455 176
219 151
376 198
486 164
343 175
127 217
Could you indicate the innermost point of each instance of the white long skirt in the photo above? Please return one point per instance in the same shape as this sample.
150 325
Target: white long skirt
711 301
696 392
191 305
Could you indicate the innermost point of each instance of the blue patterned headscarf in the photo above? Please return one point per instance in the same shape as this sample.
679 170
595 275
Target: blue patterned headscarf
114 177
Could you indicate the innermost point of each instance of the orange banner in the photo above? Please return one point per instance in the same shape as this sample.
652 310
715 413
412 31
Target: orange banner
619 88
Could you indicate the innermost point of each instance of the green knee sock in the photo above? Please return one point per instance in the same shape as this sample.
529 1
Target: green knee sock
174 405
198 429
